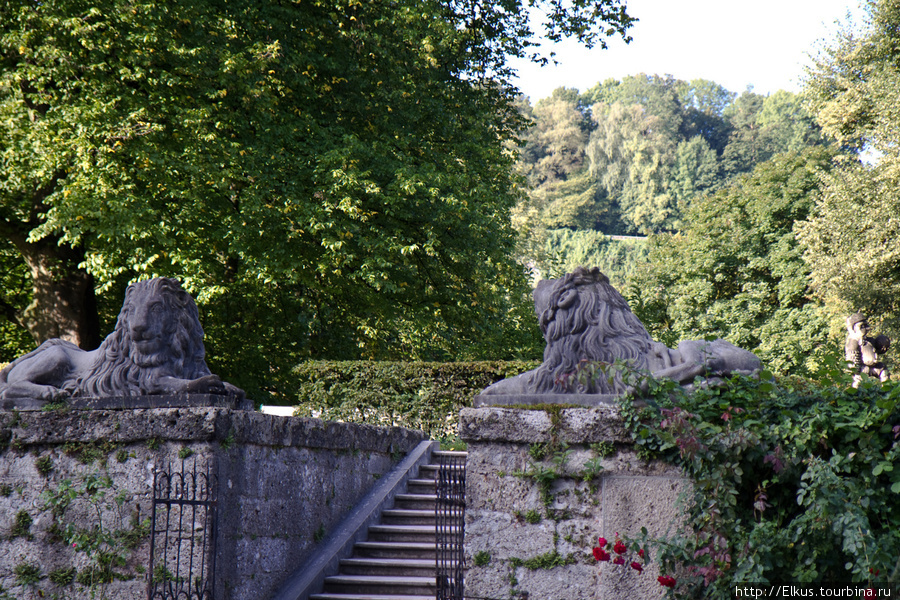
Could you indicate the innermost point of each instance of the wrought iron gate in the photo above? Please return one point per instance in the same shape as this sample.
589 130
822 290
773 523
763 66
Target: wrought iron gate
183 541
449 515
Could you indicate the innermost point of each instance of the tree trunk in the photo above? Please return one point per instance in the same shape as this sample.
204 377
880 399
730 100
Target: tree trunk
64 305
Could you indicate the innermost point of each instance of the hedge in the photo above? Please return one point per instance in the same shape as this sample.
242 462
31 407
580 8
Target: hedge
418 395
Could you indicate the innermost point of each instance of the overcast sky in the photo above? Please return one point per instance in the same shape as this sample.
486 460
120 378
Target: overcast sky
763 44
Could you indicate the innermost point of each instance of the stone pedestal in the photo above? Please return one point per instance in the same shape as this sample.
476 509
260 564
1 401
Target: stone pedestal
537 500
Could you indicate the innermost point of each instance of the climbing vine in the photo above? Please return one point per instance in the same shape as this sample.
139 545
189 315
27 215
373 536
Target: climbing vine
794 481
105 535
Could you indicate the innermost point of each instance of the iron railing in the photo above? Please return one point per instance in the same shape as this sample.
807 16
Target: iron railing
450 510
183 540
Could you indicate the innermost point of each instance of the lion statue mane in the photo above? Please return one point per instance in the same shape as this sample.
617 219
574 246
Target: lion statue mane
584 320
155 348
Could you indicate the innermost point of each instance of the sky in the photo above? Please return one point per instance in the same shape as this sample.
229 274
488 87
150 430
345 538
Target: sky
737 44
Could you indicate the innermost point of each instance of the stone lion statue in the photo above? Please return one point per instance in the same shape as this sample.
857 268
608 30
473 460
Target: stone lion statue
156 348
585 320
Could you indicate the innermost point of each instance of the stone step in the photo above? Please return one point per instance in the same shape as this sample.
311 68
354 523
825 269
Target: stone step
402 516
368 597
397 562
395 567
372 549
402 533
459 453
422 486
380 584
415 501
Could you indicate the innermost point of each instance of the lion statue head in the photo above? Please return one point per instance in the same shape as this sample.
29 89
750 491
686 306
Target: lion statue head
157 334
586 322
584 318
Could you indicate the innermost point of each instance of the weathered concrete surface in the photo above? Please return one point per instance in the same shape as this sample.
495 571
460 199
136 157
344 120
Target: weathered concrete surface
520 539
587 400
573 425
282 483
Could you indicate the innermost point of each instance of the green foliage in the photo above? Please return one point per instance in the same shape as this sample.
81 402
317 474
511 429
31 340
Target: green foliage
108 538
533 517
618 258
592 469
228 442
15 295
27 573
654 144
482 558
44 465
631 153
21 525
424 396
736 270
89 452
161 574
793 480
547 560
319 534
850 240
849 243
852 83
603 449
63 577
543 475
631 156
329 179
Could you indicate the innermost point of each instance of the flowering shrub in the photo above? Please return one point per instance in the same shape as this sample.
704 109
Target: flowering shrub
794 481
620 550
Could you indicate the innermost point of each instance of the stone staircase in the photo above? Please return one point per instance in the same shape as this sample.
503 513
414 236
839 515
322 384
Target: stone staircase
397 561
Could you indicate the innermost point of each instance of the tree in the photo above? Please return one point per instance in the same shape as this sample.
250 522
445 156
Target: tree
787 124
763 126
746 146
694 171
850 245
576 203
658 96
329 179
852 84
631 153
705 103
736 270
15 296
617 258
850 241
557 138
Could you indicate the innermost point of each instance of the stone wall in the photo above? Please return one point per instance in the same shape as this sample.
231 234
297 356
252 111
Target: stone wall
541 487
75 494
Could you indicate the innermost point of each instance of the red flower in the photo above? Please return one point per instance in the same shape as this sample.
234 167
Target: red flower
602 541
874 571
637 567
601 554
620 548
641 553
666 581
618 560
